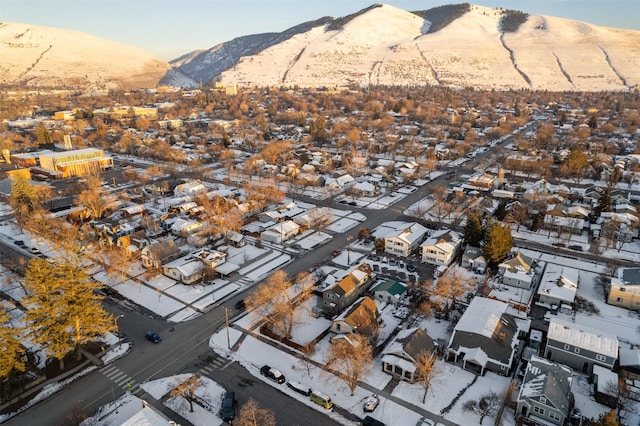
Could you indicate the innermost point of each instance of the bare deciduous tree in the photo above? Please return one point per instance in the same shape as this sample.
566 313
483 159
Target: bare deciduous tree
351 358
427 371
251 414
487 405
276 304
187 389
451 287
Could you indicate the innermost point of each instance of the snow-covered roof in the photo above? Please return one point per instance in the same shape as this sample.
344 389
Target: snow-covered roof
583 337
445 240
481 316
559 282
409 233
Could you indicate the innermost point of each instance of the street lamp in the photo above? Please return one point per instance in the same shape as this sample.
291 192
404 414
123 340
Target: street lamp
349 238
115 320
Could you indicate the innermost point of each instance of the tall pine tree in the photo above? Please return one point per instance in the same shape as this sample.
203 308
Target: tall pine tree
497 242
11 351
64 311
473 232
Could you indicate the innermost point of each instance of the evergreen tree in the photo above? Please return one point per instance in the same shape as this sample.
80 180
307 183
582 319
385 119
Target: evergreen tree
64 311
473 232
43 135
11 351
497 242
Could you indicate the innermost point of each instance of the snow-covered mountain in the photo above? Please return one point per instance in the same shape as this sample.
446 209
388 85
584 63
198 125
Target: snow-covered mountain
458 45
38 57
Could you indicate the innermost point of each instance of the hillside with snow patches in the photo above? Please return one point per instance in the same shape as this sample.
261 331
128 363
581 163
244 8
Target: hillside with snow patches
38 57
385 45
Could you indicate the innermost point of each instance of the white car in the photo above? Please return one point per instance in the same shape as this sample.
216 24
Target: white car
371 403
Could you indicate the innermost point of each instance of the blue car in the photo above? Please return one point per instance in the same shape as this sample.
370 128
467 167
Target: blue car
154 337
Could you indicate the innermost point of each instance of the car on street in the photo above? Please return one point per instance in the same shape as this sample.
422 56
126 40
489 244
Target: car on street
19 243
240 305
153 337
336 253
411 267
228 408
575 247
371 403
273 374
370 421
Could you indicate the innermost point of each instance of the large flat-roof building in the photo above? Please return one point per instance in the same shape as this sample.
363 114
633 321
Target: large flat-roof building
79 162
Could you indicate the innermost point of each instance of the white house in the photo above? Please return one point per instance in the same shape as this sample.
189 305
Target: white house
441 247
404 239
185 227
189 188
558 285
280 232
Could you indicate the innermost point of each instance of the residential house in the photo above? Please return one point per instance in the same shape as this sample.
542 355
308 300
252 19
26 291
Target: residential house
340 183
187 270
482 182
366 189
605 386
314 217
134 243
517 270
389 291
399 358
280 232
191 188
473 260
184 227
441 247
545 394
363 317
580 347
486 338
560 218
558 286
404 239
155 255
629 362
337 296
624 290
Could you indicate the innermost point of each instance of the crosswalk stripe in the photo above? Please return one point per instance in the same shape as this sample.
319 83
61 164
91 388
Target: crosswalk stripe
123 380
227 364
108 368
116 375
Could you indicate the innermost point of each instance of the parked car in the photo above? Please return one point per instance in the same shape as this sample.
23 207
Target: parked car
370 421
371 403
34 250
273 374
240 305
19 243
575 247
152 336
299 387
411 267
336 253
228 409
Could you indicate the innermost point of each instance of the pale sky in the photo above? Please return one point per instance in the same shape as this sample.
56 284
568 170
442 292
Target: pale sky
171 28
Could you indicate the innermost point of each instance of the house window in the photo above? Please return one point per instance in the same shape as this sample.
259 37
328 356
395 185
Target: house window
601 357
543 400
576 350
566 347
388 367
554 416
619 299
330 296
622 289
398 370
538 410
